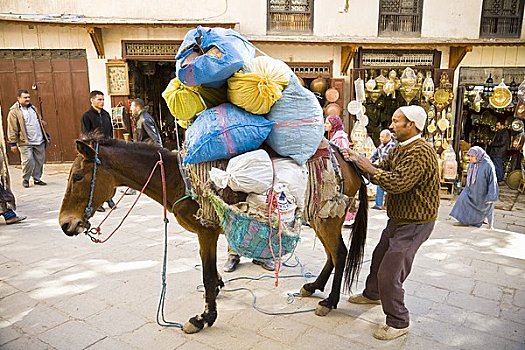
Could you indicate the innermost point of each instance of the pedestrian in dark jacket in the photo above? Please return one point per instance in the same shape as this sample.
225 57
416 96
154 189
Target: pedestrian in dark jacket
498 149
96 118
146 129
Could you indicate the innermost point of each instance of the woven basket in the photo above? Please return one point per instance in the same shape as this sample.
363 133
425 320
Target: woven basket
248 236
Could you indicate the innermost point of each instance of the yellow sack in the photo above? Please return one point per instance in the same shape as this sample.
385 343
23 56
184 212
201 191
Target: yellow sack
183 101
259 85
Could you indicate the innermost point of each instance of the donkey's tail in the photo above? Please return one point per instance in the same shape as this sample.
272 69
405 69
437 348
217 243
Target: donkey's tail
357 240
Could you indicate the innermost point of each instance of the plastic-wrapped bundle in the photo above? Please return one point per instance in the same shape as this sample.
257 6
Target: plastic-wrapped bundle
224 132
299 125
259 85
209 56
185 102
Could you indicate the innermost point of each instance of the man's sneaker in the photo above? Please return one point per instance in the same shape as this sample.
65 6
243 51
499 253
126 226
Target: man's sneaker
25 183
266 264
231 263
40 183
361 299
15 219
385 332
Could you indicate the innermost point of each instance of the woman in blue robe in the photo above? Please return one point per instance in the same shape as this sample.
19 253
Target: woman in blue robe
477 200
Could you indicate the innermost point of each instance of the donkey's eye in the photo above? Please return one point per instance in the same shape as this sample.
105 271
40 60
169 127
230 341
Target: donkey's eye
77 177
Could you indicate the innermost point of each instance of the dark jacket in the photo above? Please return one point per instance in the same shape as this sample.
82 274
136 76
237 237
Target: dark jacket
498 148
93 120
146 130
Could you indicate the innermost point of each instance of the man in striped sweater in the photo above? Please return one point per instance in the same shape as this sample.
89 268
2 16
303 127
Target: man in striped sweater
410 176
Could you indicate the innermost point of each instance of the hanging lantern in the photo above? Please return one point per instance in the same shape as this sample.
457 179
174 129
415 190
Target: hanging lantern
428 87
408 78
359 85
488 87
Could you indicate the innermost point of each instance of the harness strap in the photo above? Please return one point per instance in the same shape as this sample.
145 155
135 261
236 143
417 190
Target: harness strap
88 211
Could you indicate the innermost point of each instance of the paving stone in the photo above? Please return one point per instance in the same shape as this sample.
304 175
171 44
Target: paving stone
488 291
519 298
40 319
26 343
8 332
151 333
104 320
472 303
72 335
497 326
432 293
484 265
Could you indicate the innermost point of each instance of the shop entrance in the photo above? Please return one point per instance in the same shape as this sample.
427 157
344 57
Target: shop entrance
148 79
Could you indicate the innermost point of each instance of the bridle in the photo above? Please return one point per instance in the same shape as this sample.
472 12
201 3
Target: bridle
88 211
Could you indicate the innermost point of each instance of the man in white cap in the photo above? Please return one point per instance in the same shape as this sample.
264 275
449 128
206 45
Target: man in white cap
410 177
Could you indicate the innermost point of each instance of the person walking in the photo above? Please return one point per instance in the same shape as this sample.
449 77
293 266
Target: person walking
7 198
410 175
146 129
476 202
97 119
498 149
26 134
380 154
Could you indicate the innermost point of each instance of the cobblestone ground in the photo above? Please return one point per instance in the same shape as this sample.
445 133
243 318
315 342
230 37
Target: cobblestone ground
466 290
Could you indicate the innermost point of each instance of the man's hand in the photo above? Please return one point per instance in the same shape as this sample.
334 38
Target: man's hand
14 149
362 162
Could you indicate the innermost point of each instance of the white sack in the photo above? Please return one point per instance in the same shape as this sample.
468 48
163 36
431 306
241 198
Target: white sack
291 178
250 172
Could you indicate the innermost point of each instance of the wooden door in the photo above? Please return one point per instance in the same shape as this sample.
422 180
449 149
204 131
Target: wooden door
58 83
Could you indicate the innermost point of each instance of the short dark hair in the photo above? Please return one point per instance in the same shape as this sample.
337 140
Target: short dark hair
94 93
19 92
139 102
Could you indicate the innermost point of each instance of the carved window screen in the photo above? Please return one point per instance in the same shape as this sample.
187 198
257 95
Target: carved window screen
501 18
400 17
290 16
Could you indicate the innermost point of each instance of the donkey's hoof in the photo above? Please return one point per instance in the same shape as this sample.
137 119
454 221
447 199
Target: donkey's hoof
321 310
305 293
190 328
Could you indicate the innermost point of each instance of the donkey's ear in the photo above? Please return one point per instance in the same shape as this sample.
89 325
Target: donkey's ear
86 150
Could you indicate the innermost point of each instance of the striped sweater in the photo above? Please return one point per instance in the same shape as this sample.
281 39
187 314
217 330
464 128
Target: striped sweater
410 176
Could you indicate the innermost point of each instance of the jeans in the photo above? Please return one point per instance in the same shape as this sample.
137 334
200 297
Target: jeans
498 165
380 195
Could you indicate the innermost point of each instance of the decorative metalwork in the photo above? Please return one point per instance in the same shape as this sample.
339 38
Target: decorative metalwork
313 70
400 17
141 49
372 59
294 16
501 18
42 54
477 76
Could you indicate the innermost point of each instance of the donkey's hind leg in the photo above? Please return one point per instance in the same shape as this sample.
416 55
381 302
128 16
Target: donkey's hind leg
329 233
211 280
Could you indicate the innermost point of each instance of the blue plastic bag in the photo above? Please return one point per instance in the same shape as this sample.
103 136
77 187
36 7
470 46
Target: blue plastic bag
223 132
299 123
212 68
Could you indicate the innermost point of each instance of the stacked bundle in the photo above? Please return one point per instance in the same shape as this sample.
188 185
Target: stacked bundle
231 102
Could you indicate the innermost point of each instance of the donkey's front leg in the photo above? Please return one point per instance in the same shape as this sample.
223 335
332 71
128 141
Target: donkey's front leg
210 277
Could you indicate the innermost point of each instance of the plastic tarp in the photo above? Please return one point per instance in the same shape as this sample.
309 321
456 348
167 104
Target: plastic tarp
209 56
299 123
223 132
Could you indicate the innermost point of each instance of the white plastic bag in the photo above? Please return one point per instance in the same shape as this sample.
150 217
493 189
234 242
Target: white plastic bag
291 178
250 172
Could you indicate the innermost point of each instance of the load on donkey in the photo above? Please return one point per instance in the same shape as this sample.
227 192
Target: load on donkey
231 103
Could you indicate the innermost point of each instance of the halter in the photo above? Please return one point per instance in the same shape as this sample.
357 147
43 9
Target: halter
88 211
